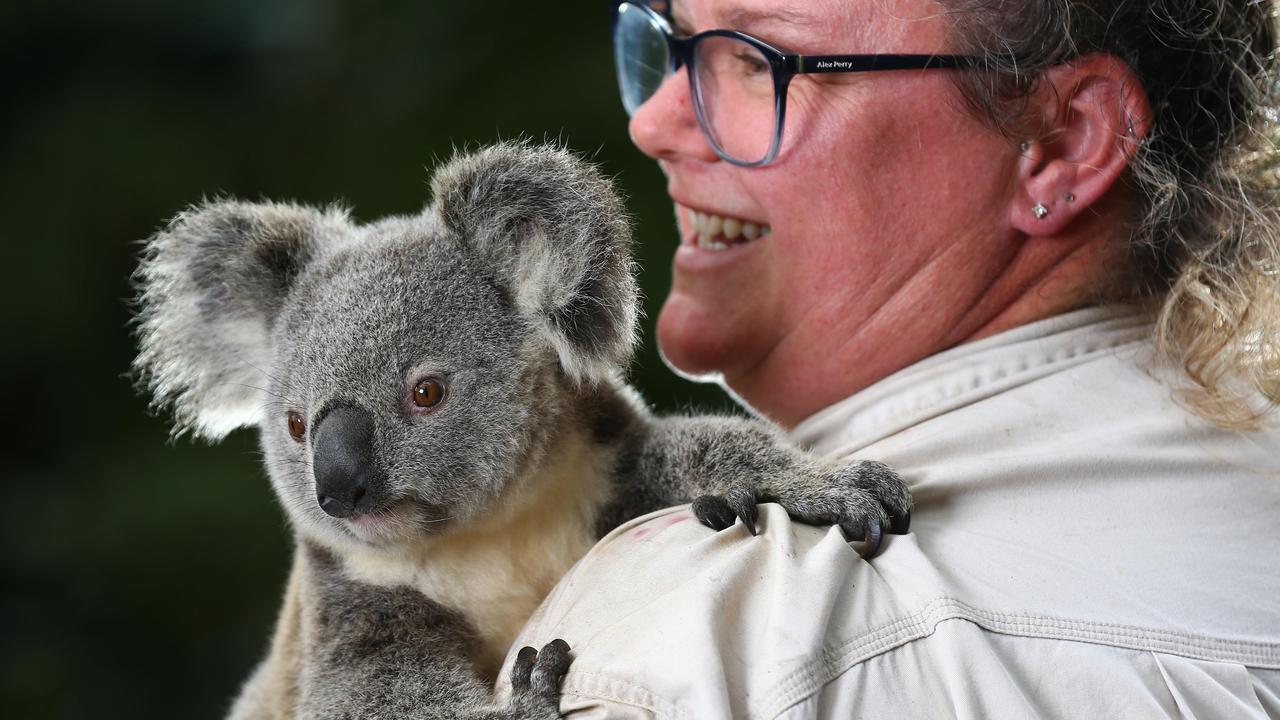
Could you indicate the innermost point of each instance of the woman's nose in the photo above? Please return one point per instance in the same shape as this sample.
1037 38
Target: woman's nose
665 127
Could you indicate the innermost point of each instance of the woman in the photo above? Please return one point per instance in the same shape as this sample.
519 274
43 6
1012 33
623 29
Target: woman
1026 252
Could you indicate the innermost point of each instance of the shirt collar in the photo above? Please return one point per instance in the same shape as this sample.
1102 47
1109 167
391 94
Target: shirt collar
970 372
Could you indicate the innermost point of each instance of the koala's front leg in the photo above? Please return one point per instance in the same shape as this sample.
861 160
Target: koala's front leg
374 653
724 466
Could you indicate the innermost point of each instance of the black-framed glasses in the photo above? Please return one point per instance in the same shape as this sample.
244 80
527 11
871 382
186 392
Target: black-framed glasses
738 82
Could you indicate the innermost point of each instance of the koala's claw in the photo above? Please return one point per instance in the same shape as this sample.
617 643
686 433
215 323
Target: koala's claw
522 668
899 522
719 511
536 675
871 539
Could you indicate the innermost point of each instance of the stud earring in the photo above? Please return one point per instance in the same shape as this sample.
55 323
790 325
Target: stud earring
1025 145
1039 210
1069 197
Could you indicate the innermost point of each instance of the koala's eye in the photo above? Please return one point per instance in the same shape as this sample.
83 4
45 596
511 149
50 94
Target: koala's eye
428 393
297 426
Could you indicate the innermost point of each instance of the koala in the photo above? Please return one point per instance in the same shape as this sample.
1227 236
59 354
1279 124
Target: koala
444 418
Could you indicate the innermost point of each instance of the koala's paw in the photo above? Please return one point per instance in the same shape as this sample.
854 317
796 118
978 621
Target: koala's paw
719 511
535 680
865 499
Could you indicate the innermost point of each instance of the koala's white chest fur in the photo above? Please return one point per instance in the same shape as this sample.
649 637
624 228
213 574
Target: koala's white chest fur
498 570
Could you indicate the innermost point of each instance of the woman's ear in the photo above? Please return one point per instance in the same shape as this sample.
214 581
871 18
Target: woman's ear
1093 114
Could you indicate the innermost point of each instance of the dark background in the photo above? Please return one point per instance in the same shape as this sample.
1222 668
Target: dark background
140 577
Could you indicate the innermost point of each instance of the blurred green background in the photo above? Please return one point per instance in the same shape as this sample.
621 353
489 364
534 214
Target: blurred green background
141 577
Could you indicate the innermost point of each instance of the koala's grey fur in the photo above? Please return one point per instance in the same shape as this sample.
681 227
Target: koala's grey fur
515 287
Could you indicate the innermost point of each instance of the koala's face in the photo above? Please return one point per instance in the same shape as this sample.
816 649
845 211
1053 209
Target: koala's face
405 375
405 391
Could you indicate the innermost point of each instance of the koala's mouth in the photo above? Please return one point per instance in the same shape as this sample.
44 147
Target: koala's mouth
403 519
377 518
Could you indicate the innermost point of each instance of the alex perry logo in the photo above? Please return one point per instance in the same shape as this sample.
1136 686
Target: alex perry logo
834 65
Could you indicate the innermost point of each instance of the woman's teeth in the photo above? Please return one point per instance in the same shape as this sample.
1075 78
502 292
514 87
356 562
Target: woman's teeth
715 232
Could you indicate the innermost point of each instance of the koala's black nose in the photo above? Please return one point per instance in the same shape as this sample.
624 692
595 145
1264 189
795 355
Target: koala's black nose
344 463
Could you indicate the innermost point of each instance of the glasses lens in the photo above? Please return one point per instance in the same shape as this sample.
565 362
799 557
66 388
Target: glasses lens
640 53
734 94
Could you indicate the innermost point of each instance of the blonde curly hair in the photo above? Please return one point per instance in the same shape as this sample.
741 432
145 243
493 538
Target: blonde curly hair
1207 176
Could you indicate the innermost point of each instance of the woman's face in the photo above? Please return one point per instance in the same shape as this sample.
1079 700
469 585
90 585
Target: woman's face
886 211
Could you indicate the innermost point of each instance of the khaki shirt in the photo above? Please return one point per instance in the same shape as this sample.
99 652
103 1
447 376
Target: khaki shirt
1081 547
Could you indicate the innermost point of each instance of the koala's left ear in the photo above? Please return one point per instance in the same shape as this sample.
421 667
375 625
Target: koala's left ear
210 288
552 226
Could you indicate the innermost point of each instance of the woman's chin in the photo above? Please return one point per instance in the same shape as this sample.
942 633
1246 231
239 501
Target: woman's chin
698 343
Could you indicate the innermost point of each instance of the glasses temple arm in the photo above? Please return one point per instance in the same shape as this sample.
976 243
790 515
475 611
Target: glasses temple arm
804 64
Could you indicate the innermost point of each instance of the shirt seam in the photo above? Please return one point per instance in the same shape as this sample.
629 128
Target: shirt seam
803 682
599 686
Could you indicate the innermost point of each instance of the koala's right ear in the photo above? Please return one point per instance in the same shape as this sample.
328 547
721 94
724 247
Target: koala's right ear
555 231
210 286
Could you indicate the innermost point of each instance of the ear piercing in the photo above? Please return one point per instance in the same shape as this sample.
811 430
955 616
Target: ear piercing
1040 211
